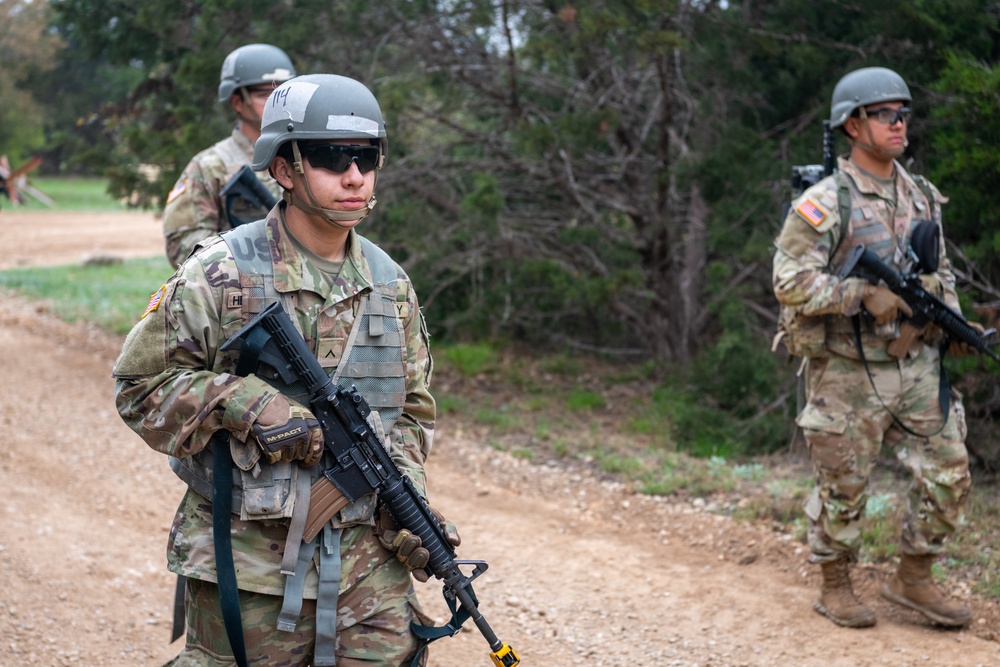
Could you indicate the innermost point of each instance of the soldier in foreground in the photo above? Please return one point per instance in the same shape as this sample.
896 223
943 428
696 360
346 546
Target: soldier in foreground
874 377
195 208
345 597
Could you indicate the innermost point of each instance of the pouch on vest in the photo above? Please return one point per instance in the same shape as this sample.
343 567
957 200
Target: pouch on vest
802 335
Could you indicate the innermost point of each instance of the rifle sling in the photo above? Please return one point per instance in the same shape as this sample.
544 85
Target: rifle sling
225 569
428 633
944 388
177 629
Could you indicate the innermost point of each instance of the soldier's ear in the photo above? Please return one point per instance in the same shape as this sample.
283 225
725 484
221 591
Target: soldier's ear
281 170
852 126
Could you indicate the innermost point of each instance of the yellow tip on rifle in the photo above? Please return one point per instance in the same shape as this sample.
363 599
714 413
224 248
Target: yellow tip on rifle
505 657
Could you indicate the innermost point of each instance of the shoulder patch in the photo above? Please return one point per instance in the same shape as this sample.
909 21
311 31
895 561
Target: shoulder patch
154 300
811 212
178 190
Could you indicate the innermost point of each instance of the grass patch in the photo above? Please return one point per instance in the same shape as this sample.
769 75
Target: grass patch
72 194
468 359
112 297
579 399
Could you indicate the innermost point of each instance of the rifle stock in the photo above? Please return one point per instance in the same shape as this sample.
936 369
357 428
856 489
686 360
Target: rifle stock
362 464
246 186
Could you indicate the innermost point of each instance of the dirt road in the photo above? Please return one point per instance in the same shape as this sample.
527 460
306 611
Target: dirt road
582 571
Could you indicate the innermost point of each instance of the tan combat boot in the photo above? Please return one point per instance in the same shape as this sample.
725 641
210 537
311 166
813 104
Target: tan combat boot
837 600
913 587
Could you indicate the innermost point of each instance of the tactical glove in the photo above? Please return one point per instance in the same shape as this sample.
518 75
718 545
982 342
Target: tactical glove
883 304
960 349
407 546
288 432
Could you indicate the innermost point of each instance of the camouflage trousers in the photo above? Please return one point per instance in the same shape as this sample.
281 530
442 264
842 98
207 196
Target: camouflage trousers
846 424
373 626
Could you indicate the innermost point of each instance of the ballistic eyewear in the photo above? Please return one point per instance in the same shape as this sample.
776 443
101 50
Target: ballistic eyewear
887 116
338 158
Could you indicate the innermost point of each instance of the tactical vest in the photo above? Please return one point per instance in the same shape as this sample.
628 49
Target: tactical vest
372 361
807 336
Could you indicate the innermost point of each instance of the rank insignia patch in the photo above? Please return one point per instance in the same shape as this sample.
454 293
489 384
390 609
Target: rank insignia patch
154 300
812 213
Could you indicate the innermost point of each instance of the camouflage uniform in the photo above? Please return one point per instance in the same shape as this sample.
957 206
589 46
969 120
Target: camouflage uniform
844 422
195 210
175 388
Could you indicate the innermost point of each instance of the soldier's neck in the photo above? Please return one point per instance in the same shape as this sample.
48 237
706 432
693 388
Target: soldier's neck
877 165
248 130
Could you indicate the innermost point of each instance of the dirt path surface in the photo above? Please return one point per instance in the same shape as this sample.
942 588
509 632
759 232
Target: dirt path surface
582 571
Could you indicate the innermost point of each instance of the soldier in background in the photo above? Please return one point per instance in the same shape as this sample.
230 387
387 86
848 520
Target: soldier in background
195 209
880 383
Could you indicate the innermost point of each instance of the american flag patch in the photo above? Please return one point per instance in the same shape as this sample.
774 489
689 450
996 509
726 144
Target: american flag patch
178 190
154 300
813 214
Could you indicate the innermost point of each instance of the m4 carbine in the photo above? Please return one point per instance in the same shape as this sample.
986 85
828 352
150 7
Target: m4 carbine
927 307
271 346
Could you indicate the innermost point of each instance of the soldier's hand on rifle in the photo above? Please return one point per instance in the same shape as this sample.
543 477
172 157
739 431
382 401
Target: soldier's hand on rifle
883 304
287 432
407 546
960 349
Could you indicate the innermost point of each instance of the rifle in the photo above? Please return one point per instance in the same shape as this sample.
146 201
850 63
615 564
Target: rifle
806 176
270 344
246 186
863 263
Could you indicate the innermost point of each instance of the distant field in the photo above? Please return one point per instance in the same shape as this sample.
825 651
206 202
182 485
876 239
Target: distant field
69 194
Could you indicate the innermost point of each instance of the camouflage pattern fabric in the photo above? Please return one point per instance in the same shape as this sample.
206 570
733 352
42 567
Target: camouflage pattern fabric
845 425
844 422
175 389
195 209
382 637
804 272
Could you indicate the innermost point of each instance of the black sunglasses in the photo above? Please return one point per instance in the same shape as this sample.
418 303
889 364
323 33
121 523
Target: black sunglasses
338 158
889 116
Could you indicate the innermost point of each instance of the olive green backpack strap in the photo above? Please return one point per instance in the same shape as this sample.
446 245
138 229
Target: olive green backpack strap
844 205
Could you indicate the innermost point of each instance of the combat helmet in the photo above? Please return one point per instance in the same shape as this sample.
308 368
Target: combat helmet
319 106
252 64
865 86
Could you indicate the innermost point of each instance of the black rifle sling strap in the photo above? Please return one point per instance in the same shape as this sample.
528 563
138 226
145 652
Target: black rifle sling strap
225 569
428 633
177 629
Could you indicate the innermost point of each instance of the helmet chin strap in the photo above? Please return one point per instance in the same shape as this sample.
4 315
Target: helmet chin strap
885 153
312 207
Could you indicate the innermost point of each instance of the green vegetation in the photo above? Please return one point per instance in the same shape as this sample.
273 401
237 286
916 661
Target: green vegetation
111 296
72 194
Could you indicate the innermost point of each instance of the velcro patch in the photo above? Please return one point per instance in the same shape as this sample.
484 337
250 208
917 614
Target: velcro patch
811 212
329 352
154 300
178 190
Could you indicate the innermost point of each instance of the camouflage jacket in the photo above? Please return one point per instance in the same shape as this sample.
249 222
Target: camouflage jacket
194 209
810 250
175 388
